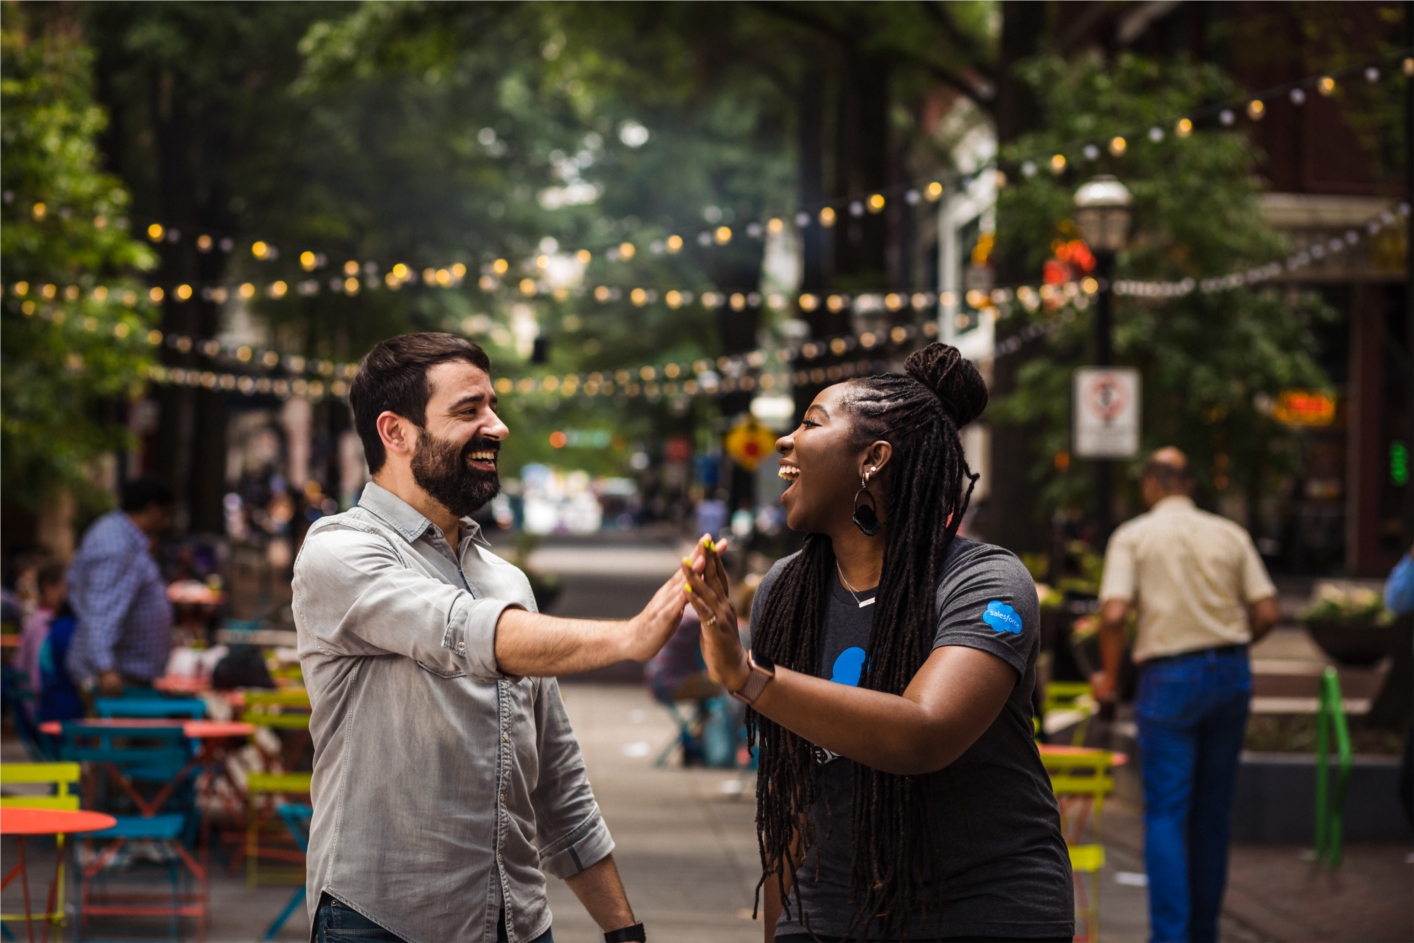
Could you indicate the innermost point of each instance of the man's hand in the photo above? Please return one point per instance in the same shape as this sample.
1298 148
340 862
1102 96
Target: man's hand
110 684
1105 682
650 630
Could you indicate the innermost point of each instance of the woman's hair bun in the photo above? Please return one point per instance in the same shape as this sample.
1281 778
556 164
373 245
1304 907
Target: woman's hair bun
952 378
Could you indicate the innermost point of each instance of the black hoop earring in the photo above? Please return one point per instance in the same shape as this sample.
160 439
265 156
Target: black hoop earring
866 516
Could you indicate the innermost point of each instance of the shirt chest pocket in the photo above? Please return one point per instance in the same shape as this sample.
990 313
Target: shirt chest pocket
446 674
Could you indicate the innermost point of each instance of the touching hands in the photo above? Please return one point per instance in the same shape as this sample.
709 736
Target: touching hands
709 591
650 629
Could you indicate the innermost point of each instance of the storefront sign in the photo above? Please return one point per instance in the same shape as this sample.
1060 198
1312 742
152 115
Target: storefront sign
1304 408
1106 412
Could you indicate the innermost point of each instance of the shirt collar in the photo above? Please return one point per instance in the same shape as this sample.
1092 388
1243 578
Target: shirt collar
1174 502
135 534
405 518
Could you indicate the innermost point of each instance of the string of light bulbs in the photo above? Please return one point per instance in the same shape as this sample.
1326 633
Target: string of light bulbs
993 304
356 274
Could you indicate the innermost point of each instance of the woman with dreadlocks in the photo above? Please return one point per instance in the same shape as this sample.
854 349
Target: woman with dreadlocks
900 794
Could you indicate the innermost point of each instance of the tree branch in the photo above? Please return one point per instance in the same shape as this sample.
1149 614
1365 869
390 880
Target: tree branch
802 17
939 14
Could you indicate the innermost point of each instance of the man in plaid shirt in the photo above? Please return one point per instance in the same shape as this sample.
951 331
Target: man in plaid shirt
124 619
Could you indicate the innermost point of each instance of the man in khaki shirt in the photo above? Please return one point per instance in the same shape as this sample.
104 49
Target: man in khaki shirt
1201 595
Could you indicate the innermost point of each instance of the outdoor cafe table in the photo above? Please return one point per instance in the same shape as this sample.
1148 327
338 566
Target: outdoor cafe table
23 823
215 737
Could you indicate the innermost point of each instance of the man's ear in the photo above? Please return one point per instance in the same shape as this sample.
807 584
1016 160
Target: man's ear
396 432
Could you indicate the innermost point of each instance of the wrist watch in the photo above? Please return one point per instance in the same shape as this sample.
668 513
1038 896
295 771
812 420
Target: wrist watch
763 672
625 934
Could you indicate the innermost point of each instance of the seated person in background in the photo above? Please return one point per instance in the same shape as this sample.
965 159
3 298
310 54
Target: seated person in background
52 588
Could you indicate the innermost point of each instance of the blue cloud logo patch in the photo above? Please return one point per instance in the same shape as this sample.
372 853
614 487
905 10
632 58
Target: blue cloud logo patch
1002 618
849 666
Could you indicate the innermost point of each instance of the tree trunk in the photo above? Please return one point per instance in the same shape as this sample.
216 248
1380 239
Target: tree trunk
1013 518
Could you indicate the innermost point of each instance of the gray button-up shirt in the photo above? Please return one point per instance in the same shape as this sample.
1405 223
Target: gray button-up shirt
442 787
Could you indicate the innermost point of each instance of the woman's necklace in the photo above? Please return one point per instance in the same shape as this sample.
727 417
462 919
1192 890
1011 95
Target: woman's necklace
862 602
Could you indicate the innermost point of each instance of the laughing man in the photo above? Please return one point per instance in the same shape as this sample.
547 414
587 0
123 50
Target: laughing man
446 776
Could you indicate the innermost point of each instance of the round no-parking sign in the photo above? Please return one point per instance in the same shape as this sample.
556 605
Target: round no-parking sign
1106 412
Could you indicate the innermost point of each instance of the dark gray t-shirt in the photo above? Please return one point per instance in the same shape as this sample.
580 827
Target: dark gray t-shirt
1004 862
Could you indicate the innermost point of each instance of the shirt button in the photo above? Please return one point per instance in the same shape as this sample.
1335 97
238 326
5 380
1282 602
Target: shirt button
505 736
461 648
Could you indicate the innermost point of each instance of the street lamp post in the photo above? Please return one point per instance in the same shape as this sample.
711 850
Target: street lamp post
1104 210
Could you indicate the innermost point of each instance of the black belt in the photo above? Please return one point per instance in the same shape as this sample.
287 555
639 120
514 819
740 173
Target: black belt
1196 653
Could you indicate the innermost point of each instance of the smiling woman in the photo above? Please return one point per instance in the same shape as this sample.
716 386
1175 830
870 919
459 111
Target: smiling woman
890 678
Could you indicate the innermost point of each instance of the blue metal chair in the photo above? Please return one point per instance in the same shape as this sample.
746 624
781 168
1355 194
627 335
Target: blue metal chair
296 816
144 777
151 708
18 700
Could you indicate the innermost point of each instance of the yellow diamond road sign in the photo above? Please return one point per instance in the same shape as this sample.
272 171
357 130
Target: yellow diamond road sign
749 442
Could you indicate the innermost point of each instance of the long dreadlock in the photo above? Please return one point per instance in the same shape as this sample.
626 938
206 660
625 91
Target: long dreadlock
892 871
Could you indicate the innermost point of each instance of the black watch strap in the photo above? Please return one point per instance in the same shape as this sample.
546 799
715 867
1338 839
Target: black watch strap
625 934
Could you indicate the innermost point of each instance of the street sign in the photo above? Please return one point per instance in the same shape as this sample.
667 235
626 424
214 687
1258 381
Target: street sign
749 442
1106 412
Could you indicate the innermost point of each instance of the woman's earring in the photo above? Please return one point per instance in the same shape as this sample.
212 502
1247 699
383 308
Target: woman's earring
866 516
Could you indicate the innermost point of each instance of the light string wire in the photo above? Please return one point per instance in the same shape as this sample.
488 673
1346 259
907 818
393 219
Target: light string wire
32 300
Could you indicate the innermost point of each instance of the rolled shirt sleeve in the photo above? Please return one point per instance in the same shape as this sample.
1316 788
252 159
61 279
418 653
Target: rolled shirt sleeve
1118 582
392 608
572 834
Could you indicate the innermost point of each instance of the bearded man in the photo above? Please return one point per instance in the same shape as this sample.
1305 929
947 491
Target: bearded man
446 776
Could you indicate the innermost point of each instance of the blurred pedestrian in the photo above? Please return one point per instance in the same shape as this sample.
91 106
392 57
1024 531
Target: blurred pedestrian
447 780
51 588
900 792
1202 596
712 515
1399 599
124 631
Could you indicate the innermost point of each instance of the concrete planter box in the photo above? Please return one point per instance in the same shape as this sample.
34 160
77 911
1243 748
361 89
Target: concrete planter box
1276 799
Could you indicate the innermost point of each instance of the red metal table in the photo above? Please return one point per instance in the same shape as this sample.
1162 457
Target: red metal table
22 823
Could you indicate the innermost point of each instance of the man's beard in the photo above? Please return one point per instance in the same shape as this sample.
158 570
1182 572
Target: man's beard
442 471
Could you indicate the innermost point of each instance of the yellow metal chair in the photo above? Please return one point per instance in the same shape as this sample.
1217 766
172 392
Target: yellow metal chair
1082 779
64 780
1064 703
285 711
265 791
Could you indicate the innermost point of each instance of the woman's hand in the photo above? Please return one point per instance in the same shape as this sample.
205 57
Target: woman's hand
709 591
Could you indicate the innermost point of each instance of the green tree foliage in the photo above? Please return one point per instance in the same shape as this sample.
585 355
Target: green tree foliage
1212 363
66 363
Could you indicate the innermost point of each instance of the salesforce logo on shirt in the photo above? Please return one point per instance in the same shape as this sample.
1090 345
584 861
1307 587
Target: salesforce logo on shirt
849 666
1002 618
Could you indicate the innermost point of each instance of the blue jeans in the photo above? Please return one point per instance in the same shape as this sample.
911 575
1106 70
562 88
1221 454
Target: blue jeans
335 923
1192 714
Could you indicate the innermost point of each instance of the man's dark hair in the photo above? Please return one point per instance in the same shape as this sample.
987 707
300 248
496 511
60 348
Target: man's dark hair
141 493
1174 479
393 378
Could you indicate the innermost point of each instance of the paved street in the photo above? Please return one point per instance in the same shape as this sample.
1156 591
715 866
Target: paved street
686 839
